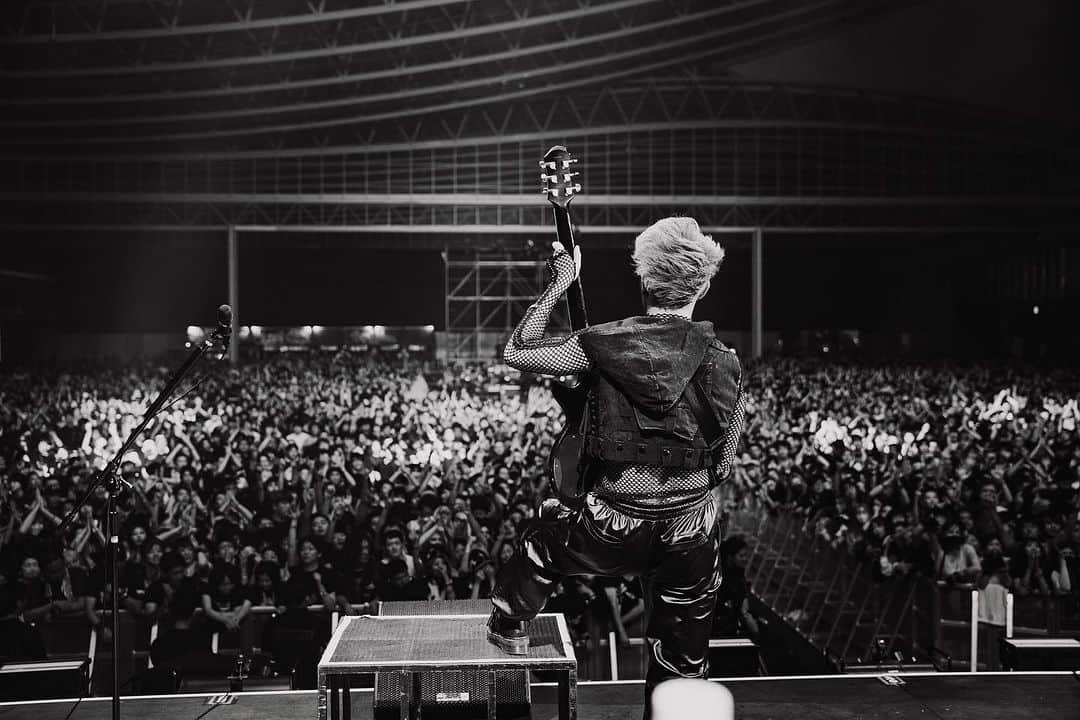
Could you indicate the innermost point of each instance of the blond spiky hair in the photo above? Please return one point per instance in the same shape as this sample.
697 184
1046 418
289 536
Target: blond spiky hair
675 261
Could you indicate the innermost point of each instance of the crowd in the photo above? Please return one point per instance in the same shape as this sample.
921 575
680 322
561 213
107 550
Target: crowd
965 474
336 480
332 480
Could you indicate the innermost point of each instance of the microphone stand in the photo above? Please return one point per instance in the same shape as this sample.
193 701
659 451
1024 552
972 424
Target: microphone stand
114 484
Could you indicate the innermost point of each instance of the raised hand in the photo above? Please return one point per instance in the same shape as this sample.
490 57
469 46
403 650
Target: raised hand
557 248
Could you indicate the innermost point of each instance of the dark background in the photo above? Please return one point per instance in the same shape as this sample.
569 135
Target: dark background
954 288
965 293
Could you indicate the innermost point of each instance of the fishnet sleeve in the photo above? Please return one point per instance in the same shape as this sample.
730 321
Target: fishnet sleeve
731 439
528 350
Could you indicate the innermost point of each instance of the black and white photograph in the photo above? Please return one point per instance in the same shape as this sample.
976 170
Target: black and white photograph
539 359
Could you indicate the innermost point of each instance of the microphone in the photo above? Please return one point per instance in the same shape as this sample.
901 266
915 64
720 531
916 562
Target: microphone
224 318
224 329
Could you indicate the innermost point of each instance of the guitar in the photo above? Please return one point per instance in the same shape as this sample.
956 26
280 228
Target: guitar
560 185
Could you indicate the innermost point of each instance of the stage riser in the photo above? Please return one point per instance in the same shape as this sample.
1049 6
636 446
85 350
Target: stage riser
434 659
37 684
733 662
511 688
1039 658
440 689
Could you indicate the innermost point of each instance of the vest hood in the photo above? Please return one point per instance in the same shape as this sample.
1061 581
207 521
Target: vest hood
650 359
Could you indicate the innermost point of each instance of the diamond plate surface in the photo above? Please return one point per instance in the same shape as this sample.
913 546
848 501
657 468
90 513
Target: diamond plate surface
448 640
435 607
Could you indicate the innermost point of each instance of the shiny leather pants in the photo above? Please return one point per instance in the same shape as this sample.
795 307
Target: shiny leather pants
677 559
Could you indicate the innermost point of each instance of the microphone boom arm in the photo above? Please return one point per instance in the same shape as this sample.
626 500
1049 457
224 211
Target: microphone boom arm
113 482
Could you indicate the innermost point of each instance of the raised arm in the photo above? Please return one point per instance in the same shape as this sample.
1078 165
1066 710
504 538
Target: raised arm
29 519
293 556
528 349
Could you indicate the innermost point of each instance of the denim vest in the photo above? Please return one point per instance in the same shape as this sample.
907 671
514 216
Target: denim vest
636 410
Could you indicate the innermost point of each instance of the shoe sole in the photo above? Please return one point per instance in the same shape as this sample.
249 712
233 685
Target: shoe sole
512 646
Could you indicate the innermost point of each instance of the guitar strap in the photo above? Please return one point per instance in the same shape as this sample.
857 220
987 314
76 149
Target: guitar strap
588 417
695 397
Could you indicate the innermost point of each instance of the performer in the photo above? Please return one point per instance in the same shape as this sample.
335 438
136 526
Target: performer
650 511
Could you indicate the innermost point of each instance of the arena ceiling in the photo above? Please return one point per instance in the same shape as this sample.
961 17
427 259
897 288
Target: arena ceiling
424 117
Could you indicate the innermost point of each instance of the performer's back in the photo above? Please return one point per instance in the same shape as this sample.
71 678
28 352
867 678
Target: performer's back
650 512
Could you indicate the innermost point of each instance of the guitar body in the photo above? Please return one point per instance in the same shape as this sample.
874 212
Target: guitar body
566 463
569 471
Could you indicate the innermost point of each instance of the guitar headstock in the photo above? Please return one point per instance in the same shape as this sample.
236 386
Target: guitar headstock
557 178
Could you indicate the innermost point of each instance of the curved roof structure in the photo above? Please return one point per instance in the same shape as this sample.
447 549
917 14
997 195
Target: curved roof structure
143 75
425 116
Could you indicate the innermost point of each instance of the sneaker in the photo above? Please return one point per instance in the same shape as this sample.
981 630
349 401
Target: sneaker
508 634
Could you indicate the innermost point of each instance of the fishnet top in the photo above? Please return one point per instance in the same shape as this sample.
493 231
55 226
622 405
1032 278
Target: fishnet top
638 490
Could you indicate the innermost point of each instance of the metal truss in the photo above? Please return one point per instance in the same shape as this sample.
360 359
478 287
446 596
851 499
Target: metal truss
287 89
90 21
487 294
736 155
457 29
642 125
393 92
513 226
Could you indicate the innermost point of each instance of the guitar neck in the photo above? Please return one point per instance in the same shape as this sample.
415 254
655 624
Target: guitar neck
575 296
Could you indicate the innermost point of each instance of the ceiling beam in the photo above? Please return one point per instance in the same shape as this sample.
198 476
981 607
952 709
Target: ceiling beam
401 112
555 135
520 199
343 79
324 52
227 27
437 237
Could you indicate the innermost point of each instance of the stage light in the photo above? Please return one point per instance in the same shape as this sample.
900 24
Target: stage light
256 330
429 328
1034 309
245 332
317 329
378 330
305 331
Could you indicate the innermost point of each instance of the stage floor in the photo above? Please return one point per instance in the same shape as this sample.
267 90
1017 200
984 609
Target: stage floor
955 696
